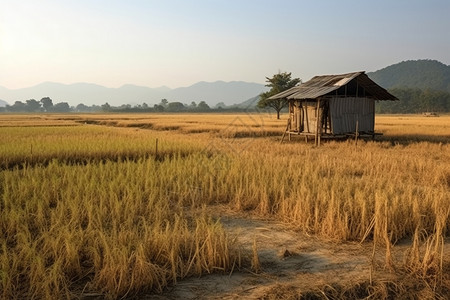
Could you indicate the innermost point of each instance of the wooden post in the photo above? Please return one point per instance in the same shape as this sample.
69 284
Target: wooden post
306 118
373 118
301 127
288 127
356 134
319 119
317 135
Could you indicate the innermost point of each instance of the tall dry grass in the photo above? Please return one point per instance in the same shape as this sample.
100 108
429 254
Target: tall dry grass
113 228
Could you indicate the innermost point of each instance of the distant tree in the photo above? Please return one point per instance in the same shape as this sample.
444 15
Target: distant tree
158 108
18 106
164 102
81 107
193 105
220 105
202 106
47 103
33 105
278 83
175 107
61 107
106 107
95 108
144 106
124 107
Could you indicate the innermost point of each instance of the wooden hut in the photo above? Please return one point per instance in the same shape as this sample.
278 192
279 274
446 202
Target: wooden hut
333 106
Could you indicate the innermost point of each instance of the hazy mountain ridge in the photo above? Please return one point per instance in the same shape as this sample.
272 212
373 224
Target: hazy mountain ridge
422 74
420 85
89 94
248 104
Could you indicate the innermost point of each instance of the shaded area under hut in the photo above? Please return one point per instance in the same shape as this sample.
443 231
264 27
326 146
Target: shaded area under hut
333 106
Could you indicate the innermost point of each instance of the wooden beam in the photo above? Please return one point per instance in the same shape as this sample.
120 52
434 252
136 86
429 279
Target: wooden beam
317 135
373 115
307 118
319 119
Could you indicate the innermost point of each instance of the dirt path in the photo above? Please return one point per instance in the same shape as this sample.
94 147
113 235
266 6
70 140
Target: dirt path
291 262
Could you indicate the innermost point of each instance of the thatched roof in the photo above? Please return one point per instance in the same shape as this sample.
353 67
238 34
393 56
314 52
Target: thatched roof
324 85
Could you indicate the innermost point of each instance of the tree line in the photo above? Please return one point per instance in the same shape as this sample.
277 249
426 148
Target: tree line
46 105
415 100
412 100
163 106
32 105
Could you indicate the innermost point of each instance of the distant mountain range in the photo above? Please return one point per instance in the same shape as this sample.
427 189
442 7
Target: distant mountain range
421 74
212 93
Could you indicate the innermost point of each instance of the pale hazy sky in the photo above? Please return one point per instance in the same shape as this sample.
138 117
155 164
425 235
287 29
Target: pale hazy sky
178 43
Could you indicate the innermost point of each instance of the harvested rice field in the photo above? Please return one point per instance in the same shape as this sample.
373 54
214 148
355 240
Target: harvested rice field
213 206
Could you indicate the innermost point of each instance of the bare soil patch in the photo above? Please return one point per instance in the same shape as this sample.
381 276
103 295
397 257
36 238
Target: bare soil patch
294 265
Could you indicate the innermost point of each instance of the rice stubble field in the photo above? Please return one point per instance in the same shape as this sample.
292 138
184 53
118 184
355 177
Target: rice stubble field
213 206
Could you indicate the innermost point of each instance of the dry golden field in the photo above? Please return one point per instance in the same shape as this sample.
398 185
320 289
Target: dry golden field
146 205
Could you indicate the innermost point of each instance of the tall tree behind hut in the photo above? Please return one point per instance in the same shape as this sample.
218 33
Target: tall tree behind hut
278 83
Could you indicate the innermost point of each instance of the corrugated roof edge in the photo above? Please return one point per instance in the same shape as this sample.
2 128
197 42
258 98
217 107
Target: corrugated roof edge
323 84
